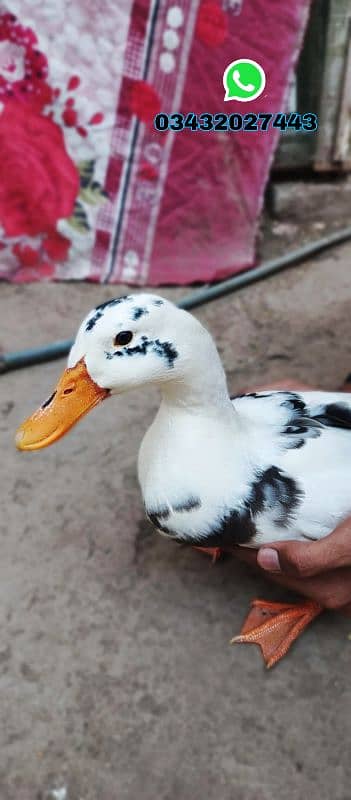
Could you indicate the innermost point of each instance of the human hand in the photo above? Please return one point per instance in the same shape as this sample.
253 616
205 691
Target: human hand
319 570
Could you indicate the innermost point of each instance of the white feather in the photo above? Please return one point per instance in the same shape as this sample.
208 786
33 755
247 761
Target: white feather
208 452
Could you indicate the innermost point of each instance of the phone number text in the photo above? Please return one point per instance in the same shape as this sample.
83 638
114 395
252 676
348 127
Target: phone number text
306 123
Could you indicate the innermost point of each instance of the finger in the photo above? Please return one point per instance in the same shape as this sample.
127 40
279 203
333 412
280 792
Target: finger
330 589
304 559
246 554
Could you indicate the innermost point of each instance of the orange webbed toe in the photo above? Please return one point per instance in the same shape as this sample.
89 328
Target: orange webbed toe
275 626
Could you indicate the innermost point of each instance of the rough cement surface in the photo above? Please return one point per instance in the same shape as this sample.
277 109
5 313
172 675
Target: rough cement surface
116 678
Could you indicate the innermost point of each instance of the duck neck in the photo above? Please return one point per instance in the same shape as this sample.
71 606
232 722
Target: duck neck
198 391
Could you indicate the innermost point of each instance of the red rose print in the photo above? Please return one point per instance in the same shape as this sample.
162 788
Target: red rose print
82 131
73 83
56 246
39 273
69 117
212 24
147 171
96 118
144 101
23 68
26 255
38 180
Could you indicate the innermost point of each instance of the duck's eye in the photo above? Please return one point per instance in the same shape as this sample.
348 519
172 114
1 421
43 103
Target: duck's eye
123 338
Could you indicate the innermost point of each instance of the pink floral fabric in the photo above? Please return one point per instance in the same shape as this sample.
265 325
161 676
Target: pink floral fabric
88 188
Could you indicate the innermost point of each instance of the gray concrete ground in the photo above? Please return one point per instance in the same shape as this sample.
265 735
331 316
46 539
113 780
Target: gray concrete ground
116 678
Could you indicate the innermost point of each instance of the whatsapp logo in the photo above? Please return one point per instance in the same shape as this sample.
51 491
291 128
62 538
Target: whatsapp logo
243 80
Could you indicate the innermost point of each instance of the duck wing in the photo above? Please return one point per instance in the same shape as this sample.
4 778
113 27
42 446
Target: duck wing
292 417
334 413
315 479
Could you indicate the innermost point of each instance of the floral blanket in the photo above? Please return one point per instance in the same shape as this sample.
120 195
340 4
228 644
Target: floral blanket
89 189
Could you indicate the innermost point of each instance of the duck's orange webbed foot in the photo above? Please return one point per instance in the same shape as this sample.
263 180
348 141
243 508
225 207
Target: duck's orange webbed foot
214 552
275 626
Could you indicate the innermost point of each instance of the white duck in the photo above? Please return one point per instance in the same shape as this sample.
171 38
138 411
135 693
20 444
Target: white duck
214 471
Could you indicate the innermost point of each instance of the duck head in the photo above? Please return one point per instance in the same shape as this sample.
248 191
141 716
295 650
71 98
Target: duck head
122 344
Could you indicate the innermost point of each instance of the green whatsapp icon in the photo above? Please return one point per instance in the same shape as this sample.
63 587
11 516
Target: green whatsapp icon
243 80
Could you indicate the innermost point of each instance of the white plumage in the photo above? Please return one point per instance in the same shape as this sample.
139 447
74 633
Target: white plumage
214 472
258 468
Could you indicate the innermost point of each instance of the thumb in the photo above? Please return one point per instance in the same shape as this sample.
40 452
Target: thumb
305 559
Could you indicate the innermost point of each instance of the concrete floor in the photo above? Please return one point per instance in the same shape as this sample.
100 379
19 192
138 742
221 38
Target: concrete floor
116 678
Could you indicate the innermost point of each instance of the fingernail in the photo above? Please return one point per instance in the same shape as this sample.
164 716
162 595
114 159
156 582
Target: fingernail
268 559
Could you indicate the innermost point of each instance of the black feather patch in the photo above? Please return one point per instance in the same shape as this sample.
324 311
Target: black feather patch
160 514
157 514
251 394
335 415
166 350
93 320
187 505
299 425
274 492
99 310
293 402
114 302
277 492
163 349
139 312
138 349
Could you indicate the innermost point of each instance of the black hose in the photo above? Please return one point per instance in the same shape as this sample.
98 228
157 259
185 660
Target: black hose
25 358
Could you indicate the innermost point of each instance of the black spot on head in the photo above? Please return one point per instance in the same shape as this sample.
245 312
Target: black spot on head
163 349
114 302
99 310
166 350
138 349
93 320
139 312
158 302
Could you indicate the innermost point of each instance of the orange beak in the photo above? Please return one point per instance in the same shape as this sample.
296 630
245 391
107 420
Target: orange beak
75 394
